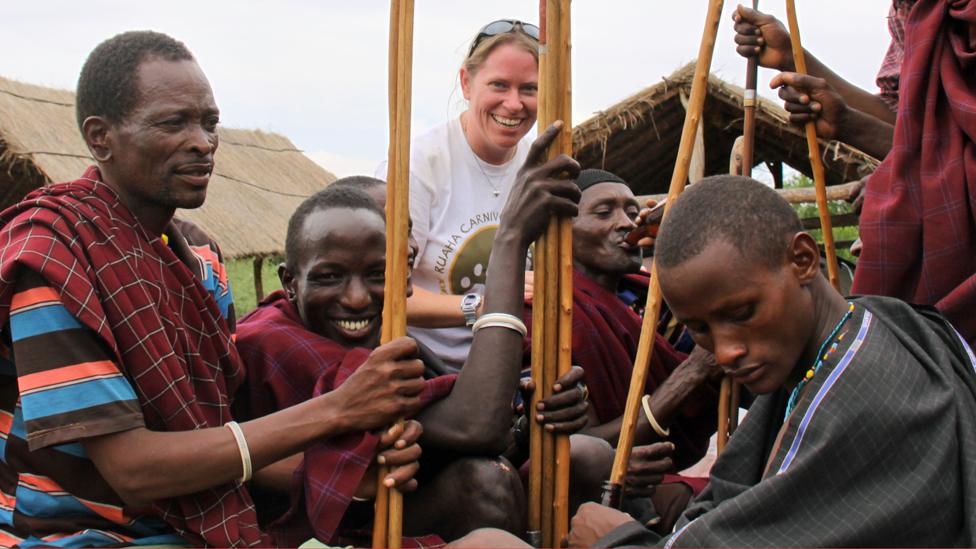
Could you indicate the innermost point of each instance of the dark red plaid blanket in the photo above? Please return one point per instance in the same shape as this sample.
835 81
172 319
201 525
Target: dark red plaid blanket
605 336
287 364
918 224
163 327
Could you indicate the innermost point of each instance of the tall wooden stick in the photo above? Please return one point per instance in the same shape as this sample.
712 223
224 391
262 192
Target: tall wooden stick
728 412
816 163
553 306
614 493
724 398
388 521
749 111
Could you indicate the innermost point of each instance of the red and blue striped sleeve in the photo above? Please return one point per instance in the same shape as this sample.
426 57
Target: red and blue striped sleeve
70 388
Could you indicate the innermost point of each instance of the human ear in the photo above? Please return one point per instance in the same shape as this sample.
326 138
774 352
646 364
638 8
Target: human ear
287 281
95 131
465 78
804 257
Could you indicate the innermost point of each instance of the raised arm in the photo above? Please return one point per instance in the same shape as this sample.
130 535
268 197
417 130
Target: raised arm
762 34
477 414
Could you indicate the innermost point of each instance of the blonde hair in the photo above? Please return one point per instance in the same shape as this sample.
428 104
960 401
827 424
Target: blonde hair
516 38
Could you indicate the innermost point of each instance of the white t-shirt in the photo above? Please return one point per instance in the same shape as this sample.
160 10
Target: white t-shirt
455 217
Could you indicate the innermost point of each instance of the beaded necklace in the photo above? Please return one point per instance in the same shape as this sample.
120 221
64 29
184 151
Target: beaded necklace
821 357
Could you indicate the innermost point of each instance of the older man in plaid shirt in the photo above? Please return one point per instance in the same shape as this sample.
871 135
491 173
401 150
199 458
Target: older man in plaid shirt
115 423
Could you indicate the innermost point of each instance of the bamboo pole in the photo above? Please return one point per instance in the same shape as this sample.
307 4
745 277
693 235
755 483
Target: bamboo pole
540 295
553 306
388 520
549 367
816 163
696 103
565 336
749 111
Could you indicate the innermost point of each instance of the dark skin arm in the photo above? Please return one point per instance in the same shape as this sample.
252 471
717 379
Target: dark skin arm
763 35
697 369
651 458
398 447
476 416
144 466
808 98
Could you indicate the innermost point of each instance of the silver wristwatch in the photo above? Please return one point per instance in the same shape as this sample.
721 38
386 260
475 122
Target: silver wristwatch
469 308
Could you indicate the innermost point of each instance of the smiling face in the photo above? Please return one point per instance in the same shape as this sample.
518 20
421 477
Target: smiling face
606 214
337 283
502 96
759 322
161 155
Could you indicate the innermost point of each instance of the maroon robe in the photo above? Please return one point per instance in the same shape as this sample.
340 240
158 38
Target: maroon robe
605 336
158 322
918 223
287 364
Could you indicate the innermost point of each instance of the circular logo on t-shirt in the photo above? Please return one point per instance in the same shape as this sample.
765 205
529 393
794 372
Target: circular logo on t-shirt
471 262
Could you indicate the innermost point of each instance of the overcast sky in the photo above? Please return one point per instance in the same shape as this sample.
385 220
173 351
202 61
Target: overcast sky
315 70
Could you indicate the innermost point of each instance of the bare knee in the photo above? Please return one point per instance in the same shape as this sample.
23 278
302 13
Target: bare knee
591 460
493 492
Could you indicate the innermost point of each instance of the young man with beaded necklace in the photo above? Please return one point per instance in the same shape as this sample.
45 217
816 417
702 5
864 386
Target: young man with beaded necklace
864 430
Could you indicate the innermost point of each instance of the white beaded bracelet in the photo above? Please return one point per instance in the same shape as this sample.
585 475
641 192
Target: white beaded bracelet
662 432
500 320
242 448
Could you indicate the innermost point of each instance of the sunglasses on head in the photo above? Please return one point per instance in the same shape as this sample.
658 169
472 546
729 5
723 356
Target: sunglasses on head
503 26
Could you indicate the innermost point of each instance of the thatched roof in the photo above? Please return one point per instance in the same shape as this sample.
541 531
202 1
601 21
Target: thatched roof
637 138
259 179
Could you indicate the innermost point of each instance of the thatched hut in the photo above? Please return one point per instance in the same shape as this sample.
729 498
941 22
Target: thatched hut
637 138
259 180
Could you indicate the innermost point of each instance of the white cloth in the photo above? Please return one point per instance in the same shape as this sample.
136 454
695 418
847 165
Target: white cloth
455 217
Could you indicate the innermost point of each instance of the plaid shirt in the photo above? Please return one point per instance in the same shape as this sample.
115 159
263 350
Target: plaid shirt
154 317
890 70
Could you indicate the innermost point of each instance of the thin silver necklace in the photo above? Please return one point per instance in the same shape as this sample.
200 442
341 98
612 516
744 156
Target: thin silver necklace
494 186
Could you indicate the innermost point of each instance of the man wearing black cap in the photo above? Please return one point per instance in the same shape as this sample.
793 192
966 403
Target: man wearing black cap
609 291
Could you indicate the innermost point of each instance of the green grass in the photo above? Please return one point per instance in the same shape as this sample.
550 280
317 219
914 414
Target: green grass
240 272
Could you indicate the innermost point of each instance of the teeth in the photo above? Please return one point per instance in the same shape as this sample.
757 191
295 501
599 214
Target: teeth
352 325
509 122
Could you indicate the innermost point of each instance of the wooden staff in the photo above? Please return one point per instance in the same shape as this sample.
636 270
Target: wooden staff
816 163
728 412
388 520
553 300
613 495
749 101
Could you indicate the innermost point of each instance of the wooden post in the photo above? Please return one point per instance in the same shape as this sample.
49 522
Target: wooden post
553 300
388 520
653 309
813 147
258 279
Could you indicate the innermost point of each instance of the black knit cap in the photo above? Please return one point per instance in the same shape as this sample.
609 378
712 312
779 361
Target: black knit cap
588 178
